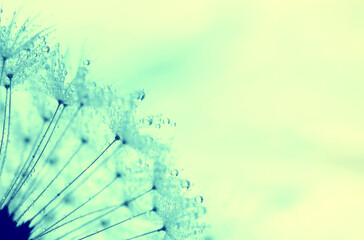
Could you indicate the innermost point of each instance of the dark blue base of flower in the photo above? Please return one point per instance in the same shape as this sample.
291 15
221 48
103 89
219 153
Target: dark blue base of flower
8 228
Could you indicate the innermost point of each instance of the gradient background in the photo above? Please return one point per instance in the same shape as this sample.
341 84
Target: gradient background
268 97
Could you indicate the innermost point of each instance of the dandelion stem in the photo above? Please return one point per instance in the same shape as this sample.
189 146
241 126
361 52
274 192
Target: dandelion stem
84 180
40 155
18 169
64 131
84 203
114 225
45 133
22 170
50 183
78 176
114 208
8 132
147 233
87 176
42 168
3 131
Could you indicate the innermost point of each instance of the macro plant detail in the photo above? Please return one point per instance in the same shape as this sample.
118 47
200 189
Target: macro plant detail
75 160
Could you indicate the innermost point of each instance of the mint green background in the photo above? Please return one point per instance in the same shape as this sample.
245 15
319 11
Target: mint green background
268 97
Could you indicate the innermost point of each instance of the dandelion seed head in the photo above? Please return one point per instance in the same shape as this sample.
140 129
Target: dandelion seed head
75 160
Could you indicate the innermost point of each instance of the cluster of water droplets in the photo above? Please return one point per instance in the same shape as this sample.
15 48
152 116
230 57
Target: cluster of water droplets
157 121
75 160
178 206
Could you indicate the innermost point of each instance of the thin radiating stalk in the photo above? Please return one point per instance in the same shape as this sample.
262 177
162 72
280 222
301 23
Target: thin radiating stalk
30 191
83 204
63 134
86 177
33 167
50 183
3 131
75 179
114 208
115 224
22 169
8 132
117 206
144 234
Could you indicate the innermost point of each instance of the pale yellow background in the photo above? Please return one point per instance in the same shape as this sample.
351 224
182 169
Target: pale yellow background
268 97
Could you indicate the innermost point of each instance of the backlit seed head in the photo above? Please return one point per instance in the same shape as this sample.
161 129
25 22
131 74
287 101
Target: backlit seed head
75 160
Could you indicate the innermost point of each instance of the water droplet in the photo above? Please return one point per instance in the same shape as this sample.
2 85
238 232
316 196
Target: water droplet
147 121
199 199
45 49
167 121
174 173
86 62
197 232
141 96
185 184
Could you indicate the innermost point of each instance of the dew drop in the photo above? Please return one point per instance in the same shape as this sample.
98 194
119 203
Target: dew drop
199 199
141 96
167 121
197 232
174 173
86 62
185 184
45 49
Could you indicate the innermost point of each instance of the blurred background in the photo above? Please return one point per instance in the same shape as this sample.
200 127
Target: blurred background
268 97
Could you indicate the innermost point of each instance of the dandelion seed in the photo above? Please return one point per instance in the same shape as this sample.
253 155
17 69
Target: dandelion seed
75 163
